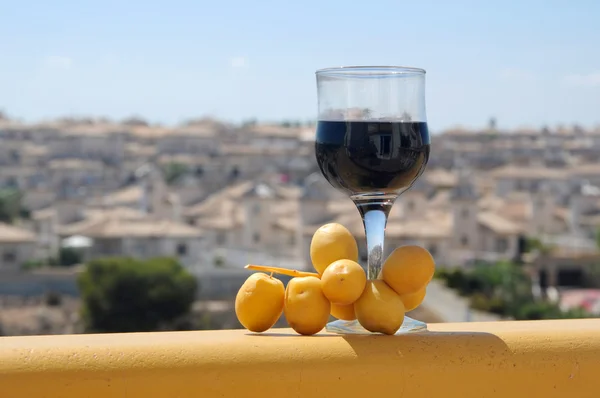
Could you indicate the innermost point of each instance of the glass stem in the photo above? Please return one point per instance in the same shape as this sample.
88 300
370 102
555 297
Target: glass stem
374 215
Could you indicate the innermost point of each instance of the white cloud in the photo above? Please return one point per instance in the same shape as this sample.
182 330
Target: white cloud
585 80
239 62
516 74
58 62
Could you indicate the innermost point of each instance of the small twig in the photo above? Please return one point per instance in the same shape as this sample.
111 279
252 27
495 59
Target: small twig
282 271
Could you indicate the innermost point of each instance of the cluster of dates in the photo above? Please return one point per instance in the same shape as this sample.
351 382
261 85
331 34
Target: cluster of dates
339 288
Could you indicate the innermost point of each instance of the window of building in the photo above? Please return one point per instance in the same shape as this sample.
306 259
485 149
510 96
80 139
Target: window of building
465 213
140 248
256 208
433 250
292 240
220 238
501 245
182 249
9 257
256 237
464 240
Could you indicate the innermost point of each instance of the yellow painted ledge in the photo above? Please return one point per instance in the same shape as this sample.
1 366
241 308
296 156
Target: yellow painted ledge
504 359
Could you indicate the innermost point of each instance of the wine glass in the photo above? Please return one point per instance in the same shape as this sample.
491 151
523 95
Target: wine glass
372 144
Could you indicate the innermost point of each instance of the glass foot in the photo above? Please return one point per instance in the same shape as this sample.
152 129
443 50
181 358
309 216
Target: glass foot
409 325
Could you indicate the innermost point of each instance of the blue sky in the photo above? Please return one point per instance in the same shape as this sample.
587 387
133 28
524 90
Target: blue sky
528 63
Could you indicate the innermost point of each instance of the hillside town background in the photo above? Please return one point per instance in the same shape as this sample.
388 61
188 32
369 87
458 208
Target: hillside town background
511 217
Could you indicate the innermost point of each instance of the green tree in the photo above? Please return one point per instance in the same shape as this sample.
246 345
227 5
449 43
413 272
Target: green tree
68 256
129 295
536 245
504 288
219 261
173 171
11 207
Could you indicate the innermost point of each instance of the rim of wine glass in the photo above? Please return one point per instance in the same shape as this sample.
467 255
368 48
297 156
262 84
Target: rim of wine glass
357 70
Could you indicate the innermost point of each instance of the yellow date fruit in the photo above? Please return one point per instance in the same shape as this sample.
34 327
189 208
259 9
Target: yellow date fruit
332 242
306 308
379 309
259 302
408 269
343 282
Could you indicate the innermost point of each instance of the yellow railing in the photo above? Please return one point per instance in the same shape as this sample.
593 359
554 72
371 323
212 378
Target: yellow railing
500 359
